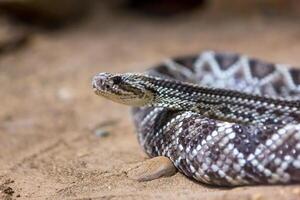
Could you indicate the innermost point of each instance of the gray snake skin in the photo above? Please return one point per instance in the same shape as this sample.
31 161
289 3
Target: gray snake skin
241 127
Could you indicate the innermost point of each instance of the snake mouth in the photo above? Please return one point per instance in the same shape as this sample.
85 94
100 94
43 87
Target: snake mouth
125 98
94 87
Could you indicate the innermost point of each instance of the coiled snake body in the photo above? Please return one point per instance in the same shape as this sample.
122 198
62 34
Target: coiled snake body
223 119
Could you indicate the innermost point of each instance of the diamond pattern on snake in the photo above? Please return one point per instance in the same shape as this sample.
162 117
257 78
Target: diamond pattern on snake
220 118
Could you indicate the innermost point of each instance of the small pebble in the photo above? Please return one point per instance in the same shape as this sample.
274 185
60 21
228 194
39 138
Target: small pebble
8 191
64 94
257 196
101 133
152 169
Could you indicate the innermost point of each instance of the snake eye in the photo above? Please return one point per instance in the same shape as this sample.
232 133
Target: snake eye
117 79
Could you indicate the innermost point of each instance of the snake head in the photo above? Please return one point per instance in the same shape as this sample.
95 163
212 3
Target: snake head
122 88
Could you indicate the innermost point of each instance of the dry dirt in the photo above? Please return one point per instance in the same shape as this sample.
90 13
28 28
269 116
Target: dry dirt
60 141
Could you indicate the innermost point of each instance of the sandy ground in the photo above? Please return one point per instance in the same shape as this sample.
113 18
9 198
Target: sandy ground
49 114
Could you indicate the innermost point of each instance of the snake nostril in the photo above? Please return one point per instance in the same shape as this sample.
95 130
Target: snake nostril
100 79
96 82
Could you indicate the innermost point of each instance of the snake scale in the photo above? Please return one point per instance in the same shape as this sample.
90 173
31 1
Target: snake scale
222 118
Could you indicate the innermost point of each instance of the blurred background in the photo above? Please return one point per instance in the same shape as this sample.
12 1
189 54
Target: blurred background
60 141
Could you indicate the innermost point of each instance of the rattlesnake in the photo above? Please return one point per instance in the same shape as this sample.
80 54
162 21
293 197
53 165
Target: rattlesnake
221 118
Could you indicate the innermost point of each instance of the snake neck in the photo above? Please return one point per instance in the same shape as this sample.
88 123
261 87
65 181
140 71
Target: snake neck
222 104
